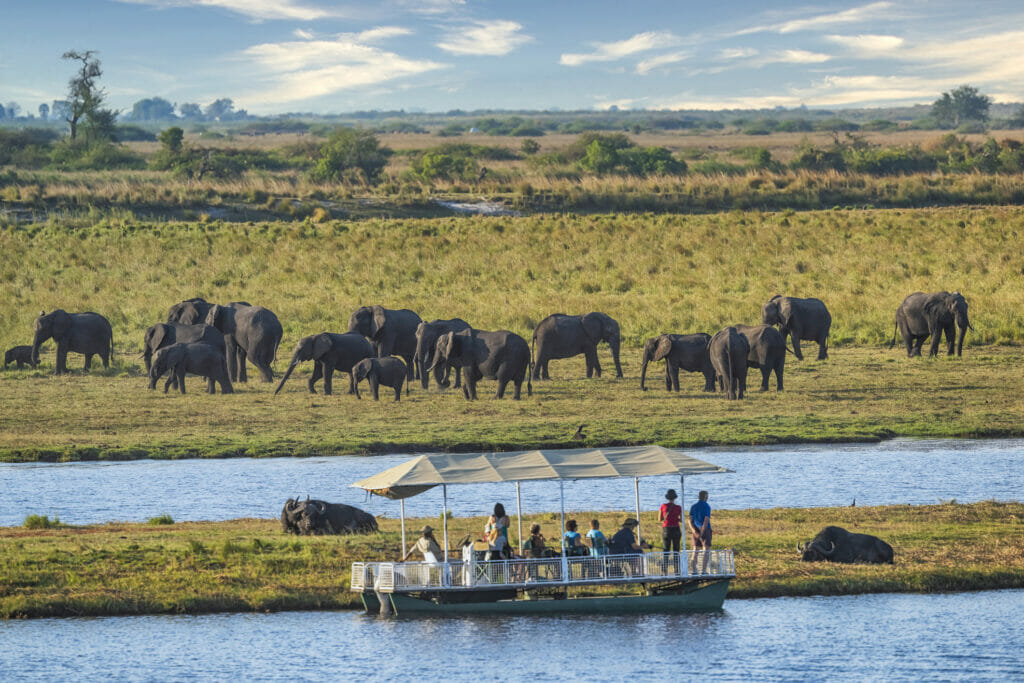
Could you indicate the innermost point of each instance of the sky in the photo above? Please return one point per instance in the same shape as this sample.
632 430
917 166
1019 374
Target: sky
329 57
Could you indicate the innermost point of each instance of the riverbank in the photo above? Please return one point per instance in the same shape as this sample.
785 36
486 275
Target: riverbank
250 565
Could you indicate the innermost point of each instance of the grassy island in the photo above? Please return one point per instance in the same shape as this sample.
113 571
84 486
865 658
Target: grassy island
250 565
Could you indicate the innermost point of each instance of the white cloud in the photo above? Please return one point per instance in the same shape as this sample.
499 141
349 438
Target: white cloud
610 52
737 53
296 71
255 9
647 65
853 15
869 44
382 33
496 38
303 34
800 57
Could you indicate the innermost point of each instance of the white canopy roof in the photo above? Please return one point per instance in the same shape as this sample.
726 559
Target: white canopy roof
426 471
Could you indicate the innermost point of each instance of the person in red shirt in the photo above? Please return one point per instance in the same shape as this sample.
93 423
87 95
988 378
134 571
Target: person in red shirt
671 516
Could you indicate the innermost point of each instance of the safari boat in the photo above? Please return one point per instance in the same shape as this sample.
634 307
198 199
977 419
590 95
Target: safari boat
463 582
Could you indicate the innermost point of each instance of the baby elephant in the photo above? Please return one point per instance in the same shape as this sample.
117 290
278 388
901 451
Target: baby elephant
194 358
390 372
22 355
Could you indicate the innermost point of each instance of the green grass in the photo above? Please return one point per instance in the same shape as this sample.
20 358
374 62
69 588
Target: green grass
654 273
251 565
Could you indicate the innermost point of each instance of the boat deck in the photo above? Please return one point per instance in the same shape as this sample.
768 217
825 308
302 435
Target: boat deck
472 574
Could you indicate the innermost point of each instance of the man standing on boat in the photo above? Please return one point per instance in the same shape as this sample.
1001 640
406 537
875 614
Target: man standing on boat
700 528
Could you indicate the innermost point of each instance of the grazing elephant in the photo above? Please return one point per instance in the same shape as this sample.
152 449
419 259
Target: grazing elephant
308 517
835 544
86 333
501 355
331 352
251 332
392 332
22 355
426 339
164 334
564 336
922 315
729 351
189 312
801 319
767 351
376 371
681 351
194 358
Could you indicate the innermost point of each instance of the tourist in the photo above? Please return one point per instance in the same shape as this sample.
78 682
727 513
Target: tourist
670 515
700 528
496 532
573 541
625 542
535 546
426 545
597 540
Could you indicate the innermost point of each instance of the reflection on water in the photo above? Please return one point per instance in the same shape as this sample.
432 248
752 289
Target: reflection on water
898 471
964 636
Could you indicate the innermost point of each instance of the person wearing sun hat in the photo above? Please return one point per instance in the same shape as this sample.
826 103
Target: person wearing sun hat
671 516
426 545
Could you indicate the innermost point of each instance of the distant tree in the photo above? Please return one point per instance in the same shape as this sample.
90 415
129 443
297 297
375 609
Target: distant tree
85 97
44 111
172 139
220 109
152 109
60 110
13 109
960 105
190 110
529 147
3 112
351 150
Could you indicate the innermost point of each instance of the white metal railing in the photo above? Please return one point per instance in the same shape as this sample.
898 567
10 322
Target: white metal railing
469 573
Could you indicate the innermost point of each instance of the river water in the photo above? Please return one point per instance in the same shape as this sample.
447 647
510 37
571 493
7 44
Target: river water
897 471
892 637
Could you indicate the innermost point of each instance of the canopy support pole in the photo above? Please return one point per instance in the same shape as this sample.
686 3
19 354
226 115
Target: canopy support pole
403 525
444 517
682 525
636 494
519 516
565 560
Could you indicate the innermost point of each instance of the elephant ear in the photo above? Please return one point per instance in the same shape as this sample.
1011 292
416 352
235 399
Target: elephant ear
663 348
593 326
156 339
212 316
363 368
380 320
61 323
447 345
322 345
785 311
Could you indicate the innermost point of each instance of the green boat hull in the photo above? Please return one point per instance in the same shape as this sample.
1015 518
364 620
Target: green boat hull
708 597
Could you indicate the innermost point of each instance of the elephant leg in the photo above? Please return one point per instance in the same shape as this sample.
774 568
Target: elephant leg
933 349
766 373
225 382
328 373
374 387
709 380
318 372
181 378
398 390
241 355
266 373
517 389
668 377
595 362
823 347
778 374
950 339
796 346
211 388
411 369
167 384
544 369
88 361
458 377
675 376
105 357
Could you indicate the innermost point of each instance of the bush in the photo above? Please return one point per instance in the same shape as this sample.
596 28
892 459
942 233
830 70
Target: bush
41 522
96 156
29 148
161 520
890 160
348 151
811 158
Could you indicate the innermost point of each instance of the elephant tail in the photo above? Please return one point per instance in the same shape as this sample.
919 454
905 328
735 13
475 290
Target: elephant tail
894 329
529 367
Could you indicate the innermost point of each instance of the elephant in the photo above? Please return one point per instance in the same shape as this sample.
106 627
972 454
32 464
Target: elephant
681 351
729 351
164 334
392 332
189 312
376 371
800 319
308 517
22 355
564 336
767 352
251 332
921 315
500 355
426 338
835 544
194 358
331 352
86 333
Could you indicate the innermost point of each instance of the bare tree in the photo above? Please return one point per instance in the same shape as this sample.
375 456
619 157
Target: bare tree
84 96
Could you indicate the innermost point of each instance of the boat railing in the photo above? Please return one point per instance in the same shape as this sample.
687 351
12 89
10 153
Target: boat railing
469 573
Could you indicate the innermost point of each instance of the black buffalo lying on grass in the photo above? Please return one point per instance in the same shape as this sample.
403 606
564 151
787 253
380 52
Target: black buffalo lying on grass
835 544
310 517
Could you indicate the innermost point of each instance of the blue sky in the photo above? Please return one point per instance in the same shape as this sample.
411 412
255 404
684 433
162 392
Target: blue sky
274 56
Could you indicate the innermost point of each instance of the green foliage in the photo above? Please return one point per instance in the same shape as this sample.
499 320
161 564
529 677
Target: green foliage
514 126
42 522
351 154
129 133
25 148
529 147
447 162
99 156
452 130
961 105
889 160
172 139
812 158
160 520
152 109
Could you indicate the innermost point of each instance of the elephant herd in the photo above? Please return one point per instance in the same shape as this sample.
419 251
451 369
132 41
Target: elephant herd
392 347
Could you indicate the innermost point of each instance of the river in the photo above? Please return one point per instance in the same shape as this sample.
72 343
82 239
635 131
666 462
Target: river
892 637
898 471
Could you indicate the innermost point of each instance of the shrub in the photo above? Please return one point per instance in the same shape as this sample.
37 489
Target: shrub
161 520
351 150
41 522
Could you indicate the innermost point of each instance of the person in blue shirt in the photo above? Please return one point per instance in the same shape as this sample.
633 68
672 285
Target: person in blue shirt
598 543
700 530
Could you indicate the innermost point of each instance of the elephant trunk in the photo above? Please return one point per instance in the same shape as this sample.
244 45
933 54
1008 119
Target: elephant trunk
422 360
287 374
963 323
37 341
154 375
615 344
643 372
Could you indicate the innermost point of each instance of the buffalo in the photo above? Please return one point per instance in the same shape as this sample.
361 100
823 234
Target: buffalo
314 517
835 544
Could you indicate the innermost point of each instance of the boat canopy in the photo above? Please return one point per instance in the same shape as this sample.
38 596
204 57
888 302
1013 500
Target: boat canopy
426 471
